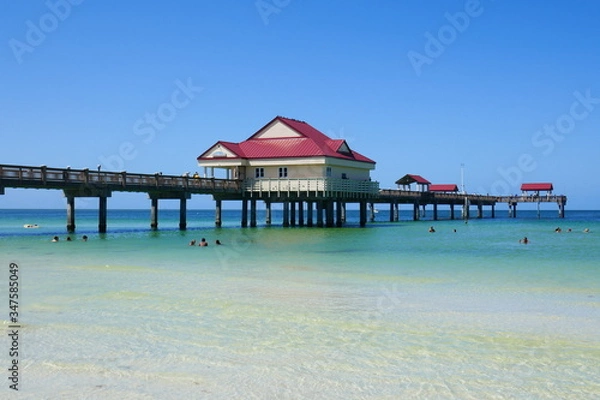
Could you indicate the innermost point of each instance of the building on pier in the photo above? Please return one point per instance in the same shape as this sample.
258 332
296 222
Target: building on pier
286 149
290 162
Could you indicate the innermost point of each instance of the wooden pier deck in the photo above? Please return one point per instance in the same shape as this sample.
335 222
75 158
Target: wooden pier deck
324 193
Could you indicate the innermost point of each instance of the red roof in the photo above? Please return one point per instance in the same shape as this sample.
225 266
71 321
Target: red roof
309 143
411 178
535 187
443 188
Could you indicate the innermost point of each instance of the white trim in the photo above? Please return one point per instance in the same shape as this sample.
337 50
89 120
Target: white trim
275 162
214 151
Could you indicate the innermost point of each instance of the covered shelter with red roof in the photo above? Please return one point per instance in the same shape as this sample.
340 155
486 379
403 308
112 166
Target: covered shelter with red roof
443 188
536 188
409 179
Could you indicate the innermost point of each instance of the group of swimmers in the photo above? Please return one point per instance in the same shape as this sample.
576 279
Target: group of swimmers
432 230
69 239
203 242
559 230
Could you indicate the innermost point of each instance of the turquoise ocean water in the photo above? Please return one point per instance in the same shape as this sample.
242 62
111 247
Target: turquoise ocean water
389 311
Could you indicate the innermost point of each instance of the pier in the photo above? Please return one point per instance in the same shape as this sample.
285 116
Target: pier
319 202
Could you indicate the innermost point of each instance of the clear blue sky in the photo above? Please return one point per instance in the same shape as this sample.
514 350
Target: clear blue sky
510 89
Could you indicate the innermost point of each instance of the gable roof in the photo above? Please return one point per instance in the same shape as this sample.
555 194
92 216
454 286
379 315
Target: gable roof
534 187
411 178
302 140
443 188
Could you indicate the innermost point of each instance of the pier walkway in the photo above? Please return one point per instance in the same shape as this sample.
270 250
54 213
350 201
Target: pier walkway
326 194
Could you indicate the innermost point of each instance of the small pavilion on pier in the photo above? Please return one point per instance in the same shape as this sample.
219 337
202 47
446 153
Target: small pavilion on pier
407 180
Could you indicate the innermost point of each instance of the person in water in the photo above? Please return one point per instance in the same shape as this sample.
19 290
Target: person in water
431 230
55 239
524 240
193 242
218 242
203 243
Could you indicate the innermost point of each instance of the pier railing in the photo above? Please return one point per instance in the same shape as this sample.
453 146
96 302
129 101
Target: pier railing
548 198
312 186
62 178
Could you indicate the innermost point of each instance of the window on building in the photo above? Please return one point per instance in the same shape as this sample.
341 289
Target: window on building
328 172
283 172
259 172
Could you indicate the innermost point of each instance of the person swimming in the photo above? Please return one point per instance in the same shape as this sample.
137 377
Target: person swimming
55 239
192 242
524 240
431 230
203 243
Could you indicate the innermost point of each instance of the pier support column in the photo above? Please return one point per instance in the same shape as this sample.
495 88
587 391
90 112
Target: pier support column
396 212
153 213
415 211
465 210
319 213
309 213
338 214
182 214
363 213
479 210
343 211
329 213
391 212
286 214
435 211
218 208
71 194
372 213
70 214
301 213
451 211
244 221
561 210
253 213
102 211
268 212
292 213
493 211
513 212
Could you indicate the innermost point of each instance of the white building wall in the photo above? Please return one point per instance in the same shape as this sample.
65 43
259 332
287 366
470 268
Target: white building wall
310 171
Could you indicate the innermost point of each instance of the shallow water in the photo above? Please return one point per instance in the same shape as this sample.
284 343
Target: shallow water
386 311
